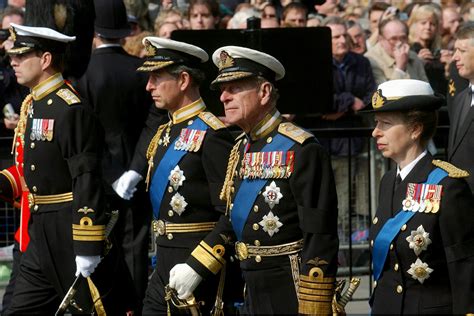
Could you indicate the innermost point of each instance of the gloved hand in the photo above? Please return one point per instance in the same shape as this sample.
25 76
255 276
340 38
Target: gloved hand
125 185
184 280
86 265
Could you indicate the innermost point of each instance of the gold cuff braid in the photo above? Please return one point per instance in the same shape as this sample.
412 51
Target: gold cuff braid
211 258
315 294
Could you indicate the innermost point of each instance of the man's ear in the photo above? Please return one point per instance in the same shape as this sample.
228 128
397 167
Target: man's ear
46 60
184 80
265 92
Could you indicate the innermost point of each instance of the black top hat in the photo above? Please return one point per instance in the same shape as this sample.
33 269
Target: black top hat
111 19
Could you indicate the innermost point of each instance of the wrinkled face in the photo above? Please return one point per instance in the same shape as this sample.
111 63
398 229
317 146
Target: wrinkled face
374 20
464 58
425 29
394 138
358 39
241 99
295 18
394 34
201 18
28 69
339 41
164 90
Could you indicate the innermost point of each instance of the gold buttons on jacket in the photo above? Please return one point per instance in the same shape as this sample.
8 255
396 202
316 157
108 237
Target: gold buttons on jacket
35 208
170 236
255 226
50 101
35 189
258 258
32 145
391 246
374 284
269 140
190 122
32 167
231 206
375 220
399 289
404 227
395 267
170 189
255 208
245 141
170 213
256 243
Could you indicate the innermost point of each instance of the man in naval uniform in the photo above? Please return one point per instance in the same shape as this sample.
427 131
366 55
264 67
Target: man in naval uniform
67 225
281 198
184 163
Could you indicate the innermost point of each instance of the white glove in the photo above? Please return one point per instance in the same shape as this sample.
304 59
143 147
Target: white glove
86 265
184 280
125 185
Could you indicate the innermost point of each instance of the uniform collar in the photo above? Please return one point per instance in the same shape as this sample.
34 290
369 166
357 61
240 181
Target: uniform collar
47 86
265 126
408 168
188 111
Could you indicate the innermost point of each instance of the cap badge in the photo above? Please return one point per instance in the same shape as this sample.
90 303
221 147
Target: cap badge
12 33
150 49
225 60
378 99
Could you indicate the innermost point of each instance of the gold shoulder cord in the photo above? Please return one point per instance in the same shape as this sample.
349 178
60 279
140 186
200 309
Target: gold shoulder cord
228 187
151 151
21 127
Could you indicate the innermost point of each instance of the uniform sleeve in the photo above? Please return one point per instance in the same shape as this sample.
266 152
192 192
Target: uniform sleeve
10 184
209 256
313 187
457 226
80 143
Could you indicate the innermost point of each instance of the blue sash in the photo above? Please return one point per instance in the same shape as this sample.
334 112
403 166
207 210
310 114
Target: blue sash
249 188
170 160
392 228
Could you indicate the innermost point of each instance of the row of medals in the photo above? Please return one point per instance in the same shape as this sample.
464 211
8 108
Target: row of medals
426 205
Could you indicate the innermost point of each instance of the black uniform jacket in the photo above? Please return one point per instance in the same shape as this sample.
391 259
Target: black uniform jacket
116 93
60 156
306 210
460 148
203 170
450 286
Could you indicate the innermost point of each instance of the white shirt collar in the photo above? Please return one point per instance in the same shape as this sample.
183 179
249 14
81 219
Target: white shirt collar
406 170
472 93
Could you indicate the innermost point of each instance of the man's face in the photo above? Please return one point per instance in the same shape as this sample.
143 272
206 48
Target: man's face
358 39
451 20
28 68
295 18
393 35
374 19
201 18
164 89
464 58
339 41
241 101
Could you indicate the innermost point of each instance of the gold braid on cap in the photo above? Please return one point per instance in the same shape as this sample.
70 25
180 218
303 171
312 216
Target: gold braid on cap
151 151
21 126
228 187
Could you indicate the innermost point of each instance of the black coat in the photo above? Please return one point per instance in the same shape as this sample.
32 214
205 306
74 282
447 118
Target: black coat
460 149
450 287
116 93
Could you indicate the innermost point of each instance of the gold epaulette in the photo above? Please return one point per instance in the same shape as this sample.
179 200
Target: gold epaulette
211 120
315 293
294 132
452 170
68 96
210 257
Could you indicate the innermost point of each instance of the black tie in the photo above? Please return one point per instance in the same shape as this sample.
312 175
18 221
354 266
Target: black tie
397 182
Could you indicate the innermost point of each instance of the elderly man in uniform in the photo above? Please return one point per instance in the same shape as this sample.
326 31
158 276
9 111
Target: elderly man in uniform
56 137
281 198
184 162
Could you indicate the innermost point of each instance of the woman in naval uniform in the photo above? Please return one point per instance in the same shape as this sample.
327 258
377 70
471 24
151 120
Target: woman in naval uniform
422 237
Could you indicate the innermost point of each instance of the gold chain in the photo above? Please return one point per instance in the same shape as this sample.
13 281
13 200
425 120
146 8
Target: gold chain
228 187
21 126
151 152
